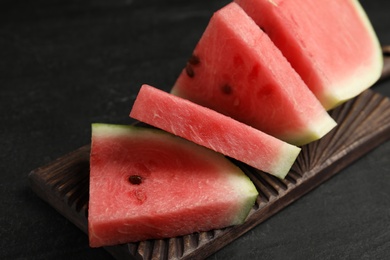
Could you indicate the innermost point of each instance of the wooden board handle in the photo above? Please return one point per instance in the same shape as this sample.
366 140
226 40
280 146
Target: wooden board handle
386 62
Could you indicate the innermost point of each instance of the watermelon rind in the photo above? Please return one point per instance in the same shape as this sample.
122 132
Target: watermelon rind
112 225
315 131
287 158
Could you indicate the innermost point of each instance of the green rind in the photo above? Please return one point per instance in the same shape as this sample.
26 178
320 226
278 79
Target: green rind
287 157
318 130
248 188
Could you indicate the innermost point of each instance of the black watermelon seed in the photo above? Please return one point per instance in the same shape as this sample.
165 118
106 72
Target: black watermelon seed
226 89
194 60
135 179
190 70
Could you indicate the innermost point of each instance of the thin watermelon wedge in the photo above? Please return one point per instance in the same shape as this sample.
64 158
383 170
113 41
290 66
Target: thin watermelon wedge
331 44
237 70
148 184
213 130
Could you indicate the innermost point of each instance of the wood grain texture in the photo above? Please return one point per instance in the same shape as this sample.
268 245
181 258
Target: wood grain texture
363 124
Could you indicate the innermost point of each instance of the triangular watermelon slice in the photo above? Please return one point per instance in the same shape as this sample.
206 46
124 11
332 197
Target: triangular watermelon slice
148 184
214 130
330 43
236 70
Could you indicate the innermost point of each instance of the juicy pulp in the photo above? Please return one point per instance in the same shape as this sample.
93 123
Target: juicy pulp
236 70
148 184
213 130
331 44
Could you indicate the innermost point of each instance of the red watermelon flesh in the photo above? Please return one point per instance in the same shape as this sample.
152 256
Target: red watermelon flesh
213 130
148 184
236 70
331 44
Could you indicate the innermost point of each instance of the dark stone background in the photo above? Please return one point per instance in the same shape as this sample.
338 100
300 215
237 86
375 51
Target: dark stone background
66 64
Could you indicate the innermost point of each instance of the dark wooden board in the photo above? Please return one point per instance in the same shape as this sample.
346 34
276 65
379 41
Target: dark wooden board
363 124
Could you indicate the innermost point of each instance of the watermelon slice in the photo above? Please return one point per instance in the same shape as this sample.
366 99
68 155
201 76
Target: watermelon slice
331 44
148 184
213 130
236 70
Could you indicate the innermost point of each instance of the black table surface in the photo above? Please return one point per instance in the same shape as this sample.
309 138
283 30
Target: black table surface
66 64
